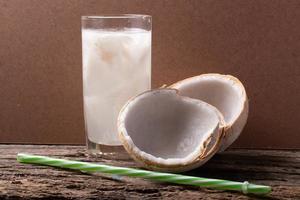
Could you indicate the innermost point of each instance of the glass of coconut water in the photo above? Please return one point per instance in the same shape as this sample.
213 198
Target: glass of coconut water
116 57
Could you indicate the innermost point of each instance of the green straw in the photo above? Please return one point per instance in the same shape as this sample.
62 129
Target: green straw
219 184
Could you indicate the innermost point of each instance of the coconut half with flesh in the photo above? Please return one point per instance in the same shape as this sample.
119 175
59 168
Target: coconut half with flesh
226 93
168 132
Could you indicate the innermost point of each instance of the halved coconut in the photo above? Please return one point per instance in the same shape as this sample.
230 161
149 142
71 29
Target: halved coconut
226 93
167 132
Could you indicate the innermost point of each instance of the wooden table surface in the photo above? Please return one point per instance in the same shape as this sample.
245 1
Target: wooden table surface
279 169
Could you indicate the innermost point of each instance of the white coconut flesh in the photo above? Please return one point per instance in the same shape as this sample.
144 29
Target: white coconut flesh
168 132
226 93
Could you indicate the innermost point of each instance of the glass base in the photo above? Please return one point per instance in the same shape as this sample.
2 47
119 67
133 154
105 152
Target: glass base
107 151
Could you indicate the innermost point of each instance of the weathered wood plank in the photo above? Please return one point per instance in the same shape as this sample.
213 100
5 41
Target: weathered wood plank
280 169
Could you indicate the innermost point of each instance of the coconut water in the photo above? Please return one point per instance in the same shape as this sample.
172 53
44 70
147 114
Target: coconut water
116 67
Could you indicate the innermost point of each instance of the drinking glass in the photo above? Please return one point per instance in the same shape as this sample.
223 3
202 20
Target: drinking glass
116 65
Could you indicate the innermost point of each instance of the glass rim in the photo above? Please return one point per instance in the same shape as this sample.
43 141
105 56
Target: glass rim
118 16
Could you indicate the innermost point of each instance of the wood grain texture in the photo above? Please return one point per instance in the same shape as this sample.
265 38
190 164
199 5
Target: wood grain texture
279 169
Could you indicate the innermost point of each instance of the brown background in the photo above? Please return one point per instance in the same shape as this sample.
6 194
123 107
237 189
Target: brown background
257 41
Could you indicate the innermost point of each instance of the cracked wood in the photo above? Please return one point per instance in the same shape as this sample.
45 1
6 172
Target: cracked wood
279 169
